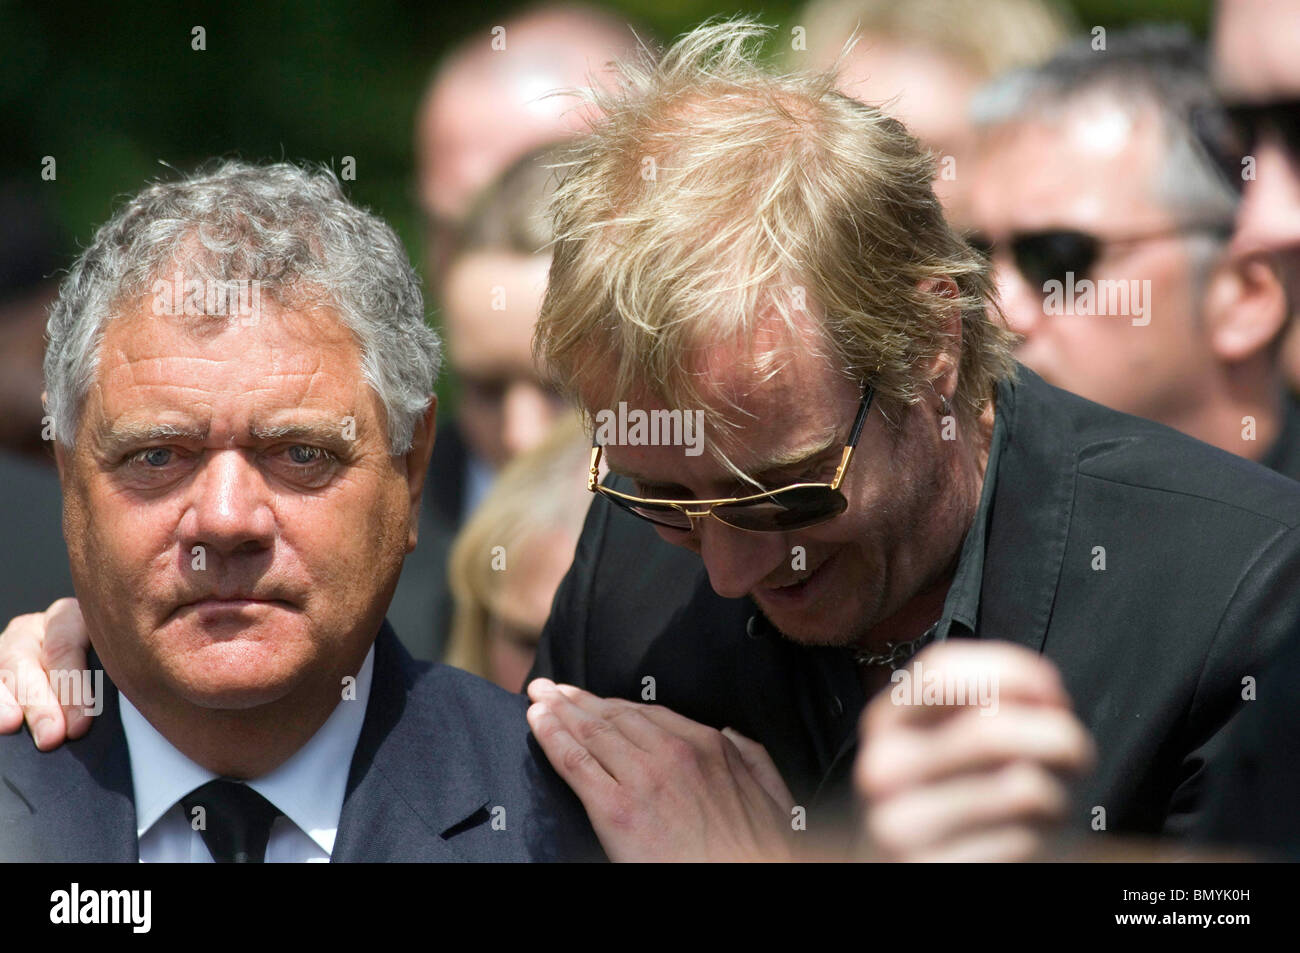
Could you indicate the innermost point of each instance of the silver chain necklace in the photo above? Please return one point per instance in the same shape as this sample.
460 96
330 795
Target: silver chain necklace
895 656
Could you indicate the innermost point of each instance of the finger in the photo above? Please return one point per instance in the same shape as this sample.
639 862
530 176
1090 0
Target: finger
21 636
760 764
758 812
928 817
1011 843
620 758
40 704
537 686
11 714
763 813
673 723
64 648
20 653
629 717
891 761
571 761
978 672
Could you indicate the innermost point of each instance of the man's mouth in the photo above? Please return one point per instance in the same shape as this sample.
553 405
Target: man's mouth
799 591
213 606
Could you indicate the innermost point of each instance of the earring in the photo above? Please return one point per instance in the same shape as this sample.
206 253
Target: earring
944 409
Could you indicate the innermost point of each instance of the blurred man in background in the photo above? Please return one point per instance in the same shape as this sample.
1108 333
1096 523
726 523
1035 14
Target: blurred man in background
490 101
1257 73
1252 795
1090 176
480 171
921 61
493 289
33 558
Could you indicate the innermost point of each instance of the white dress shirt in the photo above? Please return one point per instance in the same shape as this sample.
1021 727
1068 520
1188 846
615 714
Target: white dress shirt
308 788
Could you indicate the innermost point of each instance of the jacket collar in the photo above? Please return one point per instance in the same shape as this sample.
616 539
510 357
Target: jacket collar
1032 503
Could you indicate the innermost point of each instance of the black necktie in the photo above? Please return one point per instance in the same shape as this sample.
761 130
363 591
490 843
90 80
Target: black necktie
236 821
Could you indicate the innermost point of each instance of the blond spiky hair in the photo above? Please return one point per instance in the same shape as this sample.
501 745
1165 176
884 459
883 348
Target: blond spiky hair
714 198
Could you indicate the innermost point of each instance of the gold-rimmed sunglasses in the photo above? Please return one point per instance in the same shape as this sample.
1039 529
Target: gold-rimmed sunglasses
796 506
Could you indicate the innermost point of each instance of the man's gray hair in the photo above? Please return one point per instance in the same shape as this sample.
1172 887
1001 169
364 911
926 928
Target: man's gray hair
291 230
1160 68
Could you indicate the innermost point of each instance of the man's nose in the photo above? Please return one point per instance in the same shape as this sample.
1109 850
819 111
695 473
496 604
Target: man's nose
230 508
1269 216
1021 303
737 560
529 412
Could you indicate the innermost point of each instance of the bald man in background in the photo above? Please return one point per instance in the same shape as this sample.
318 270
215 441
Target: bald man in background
921 61
487 106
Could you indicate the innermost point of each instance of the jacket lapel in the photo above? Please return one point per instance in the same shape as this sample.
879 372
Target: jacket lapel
67 788
1030 522
412 779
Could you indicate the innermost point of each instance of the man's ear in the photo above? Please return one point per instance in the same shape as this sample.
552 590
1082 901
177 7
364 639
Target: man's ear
60 455
61 462
417 465
942 372
1245 307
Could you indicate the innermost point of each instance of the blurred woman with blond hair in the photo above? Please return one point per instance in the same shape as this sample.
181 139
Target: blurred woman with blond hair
507 561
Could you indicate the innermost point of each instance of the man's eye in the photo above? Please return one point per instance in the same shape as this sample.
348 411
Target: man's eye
306 456
154 457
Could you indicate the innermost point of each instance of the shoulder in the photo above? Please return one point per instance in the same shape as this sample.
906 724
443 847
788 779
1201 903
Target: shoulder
459 733
1139 460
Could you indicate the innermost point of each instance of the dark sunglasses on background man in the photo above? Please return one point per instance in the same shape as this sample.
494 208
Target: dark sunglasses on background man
1052 254
796 506
1230 133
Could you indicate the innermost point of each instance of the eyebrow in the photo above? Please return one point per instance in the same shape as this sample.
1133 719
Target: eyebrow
314 433
120 438
116 439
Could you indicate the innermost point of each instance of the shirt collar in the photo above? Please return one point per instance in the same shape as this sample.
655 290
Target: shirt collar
962 605
308 788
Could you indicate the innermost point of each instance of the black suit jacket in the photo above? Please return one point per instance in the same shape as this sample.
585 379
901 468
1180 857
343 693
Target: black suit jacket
1201 584
438 751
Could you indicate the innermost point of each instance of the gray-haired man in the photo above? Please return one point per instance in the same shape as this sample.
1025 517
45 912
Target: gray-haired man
241 382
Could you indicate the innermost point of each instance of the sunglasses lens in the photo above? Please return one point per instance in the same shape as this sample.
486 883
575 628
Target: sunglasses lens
795 508
1232 134
1284 120
654 512
1225 139
1051 256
